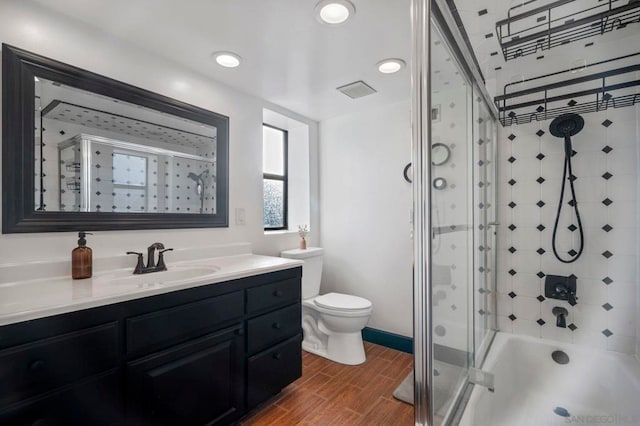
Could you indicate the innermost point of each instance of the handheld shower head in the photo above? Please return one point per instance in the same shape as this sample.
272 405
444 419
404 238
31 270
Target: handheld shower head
196 177
564 127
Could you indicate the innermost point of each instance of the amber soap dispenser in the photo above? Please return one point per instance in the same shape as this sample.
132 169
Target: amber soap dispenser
81 259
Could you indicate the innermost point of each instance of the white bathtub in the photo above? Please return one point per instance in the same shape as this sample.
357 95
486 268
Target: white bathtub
595 387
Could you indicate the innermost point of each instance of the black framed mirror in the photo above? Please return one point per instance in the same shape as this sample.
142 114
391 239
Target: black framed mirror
84 152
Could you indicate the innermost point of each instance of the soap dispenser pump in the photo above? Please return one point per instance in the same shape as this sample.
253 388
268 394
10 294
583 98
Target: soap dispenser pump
81 258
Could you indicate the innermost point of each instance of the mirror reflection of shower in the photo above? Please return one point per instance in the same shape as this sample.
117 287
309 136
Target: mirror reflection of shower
200 187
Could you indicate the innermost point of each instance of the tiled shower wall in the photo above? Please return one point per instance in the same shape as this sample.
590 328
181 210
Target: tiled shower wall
605 163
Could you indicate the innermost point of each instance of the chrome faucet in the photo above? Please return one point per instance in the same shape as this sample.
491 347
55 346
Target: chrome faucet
561 316
151 262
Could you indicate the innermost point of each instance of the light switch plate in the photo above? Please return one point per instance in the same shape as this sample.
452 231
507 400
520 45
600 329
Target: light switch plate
241 216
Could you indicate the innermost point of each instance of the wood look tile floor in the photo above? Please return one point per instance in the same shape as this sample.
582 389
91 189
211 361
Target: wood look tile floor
329 393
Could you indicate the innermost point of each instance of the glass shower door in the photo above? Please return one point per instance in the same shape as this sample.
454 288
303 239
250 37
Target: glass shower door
485 214
452 237
463 214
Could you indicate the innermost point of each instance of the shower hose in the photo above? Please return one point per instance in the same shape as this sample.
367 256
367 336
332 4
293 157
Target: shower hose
567 174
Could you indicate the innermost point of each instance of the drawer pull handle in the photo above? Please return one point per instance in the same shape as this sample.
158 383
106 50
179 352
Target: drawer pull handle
36 365
240 332
278 293
277 325
277 356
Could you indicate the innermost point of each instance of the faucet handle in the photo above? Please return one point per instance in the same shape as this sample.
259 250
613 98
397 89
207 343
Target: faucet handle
139 264
161 266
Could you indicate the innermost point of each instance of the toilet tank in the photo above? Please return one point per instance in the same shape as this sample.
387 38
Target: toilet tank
311 270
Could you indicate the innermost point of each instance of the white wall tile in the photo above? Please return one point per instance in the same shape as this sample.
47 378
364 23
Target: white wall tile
624 214
527 285
623 267
551 332
527 308
590 317
591 338
505 324
591 292
504 284
505 304
622 240
526 327
526 238
551 265
589 164
526 262
622 321
526 214
622 344
622 294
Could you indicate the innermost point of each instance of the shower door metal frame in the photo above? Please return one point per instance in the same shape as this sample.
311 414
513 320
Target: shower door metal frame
422 11
421 187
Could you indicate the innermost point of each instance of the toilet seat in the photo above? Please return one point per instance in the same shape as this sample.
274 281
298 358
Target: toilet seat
342 302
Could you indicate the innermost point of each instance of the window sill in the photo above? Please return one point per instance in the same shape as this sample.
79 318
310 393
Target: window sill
280 232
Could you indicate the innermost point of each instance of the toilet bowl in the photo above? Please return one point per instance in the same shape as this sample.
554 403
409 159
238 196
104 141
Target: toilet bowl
332 323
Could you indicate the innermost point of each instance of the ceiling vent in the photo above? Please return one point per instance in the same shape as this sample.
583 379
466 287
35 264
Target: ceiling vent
357 89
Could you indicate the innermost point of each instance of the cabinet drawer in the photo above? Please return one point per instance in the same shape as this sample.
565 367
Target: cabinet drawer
273 295
46 364
273 369
272 328
158 329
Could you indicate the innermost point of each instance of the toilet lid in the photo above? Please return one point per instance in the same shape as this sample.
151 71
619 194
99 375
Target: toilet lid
343 302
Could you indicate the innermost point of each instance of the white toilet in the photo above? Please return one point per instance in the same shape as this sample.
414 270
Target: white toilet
332 323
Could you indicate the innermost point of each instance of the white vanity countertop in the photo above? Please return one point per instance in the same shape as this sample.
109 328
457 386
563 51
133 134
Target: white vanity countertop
43 297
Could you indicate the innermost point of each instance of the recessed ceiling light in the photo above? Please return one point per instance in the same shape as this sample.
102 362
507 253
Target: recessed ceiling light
389 66
227 59
334 12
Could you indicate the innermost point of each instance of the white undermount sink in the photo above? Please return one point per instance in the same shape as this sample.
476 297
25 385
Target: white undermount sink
153 279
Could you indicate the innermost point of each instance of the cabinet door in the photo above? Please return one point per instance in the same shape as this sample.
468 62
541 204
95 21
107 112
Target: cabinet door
96 402
196 383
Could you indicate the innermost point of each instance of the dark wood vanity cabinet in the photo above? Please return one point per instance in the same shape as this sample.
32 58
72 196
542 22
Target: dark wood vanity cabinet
204 355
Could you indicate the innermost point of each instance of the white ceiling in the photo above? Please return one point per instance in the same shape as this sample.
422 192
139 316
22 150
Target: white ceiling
289 58
293 61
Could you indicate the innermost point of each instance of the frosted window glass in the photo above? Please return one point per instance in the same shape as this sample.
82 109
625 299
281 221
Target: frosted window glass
273 203
272 151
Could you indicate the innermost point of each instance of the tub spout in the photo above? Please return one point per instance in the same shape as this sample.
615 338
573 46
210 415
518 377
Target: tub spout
561 316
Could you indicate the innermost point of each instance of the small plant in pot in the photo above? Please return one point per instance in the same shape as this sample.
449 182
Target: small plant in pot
303 231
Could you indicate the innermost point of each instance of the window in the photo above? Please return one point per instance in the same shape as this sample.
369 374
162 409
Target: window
274 169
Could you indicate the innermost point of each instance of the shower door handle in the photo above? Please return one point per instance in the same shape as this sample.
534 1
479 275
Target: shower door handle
493 223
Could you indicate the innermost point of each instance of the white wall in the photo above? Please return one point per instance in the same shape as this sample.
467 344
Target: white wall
517 270
34 29
365 212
